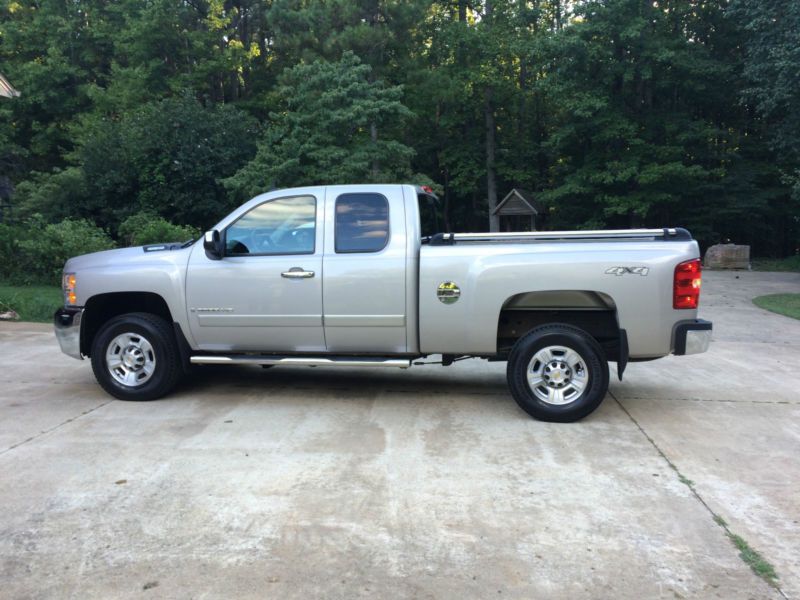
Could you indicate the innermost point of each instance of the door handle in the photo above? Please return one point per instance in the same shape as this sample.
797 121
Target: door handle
297 273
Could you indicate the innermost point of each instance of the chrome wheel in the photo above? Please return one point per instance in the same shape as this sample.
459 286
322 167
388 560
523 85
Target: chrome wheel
130 359
557 375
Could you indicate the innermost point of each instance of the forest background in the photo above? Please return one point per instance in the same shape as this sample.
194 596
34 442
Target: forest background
140 120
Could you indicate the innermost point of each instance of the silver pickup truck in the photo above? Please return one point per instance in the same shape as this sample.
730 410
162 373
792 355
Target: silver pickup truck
356 275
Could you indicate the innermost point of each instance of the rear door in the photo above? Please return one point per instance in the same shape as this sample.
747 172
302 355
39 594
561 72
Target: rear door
364 294
266 293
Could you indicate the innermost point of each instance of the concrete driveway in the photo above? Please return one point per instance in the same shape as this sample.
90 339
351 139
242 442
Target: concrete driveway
302 483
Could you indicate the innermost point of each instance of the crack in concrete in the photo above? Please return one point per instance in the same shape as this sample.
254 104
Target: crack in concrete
46 431
718 520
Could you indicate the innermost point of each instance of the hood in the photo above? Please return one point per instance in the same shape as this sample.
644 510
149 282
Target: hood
152 253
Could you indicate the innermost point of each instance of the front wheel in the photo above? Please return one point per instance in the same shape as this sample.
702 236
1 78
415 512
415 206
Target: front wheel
557 373
135 357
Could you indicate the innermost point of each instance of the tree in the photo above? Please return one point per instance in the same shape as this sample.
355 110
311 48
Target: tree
171 156
322 134
166 157
772 68
613 112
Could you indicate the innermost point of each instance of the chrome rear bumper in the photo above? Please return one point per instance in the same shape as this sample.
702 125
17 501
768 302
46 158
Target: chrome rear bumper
692 337
67 323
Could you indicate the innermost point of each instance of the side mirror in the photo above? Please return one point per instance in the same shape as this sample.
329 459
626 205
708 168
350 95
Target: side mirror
212 243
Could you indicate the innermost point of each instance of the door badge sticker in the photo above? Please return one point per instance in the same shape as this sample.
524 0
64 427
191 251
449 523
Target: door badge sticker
448 292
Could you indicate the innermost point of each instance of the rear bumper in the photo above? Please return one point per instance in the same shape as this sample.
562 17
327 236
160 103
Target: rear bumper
692 337
67 323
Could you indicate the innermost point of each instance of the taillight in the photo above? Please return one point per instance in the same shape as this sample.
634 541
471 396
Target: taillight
686 285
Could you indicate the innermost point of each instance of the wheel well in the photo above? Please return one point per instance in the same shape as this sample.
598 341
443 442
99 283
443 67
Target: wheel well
101 308
594 312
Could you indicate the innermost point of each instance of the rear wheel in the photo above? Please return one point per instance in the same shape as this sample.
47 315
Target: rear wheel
135 357
557 373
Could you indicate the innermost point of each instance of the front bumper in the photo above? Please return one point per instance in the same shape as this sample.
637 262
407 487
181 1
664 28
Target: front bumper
67 322
692 337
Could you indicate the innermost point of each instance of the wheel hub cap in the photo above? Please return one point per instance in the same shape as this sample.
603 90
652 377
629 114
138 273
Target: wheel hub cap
133 357
130 359
557 375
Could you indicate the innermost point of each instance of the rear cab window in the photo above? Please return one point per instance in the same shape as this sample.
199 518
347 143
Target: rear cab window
362 223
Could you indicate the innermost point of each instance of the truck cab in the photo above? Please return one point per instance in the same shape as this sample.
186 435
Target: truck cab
325 269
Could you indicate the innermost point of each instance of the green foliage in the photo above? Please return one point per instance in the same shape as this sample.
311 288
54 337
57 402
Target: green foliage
147 228
52 195
632 136
31 303
165 157
772 67
35 252
753 558
790 263
613 113
335 126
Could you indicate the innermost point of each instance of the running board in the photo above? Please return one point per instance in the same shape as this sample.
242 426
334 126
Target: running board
302 361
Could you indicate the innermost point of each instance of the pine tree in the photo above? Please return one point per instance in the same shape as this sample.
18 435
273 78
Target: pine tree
322 133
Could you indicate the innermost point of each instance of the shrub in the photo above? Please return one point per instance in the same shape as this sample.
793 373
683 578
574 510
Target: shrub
148 228
9 252
165 157
35 252
57 195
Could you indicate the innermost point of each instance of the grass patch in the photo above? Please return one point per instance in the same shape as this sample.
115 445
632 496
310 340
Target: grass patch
759 565
756 562
32 303
783 304
792 263
749 556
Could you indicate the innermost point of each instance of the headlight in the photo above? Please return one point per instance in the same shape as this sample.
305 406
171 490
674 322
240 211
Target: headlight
68 285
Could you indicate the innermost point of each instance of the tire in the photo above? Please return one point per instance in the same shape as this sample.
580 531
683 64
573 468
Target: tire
557 373
145 352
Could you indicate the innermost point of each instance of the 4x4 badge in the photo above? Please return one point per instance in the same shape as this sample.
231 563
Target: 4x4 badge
619 271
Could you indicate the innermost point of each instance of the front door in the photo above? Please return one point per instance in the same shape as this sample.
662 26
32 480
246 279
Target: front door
265 294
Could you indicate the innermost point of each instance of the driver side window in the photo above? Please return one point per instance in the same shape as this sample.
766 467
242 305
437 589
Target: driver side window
281 226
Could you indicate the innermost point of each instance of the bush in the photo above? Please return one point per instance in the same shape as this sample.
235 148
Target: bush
165 157
148 228
55 196
9 237
35 252
790 263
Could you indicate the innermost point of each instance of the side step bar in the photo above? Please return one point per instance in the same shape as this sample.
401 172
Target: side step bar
303 361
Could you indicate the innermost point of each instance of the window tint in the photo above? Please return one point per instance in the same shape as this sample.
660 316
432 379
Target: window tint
428 214
282 226
362 223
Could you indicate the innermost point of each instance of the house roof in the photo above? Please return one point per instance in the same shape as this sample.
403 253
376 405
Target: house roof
518 202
